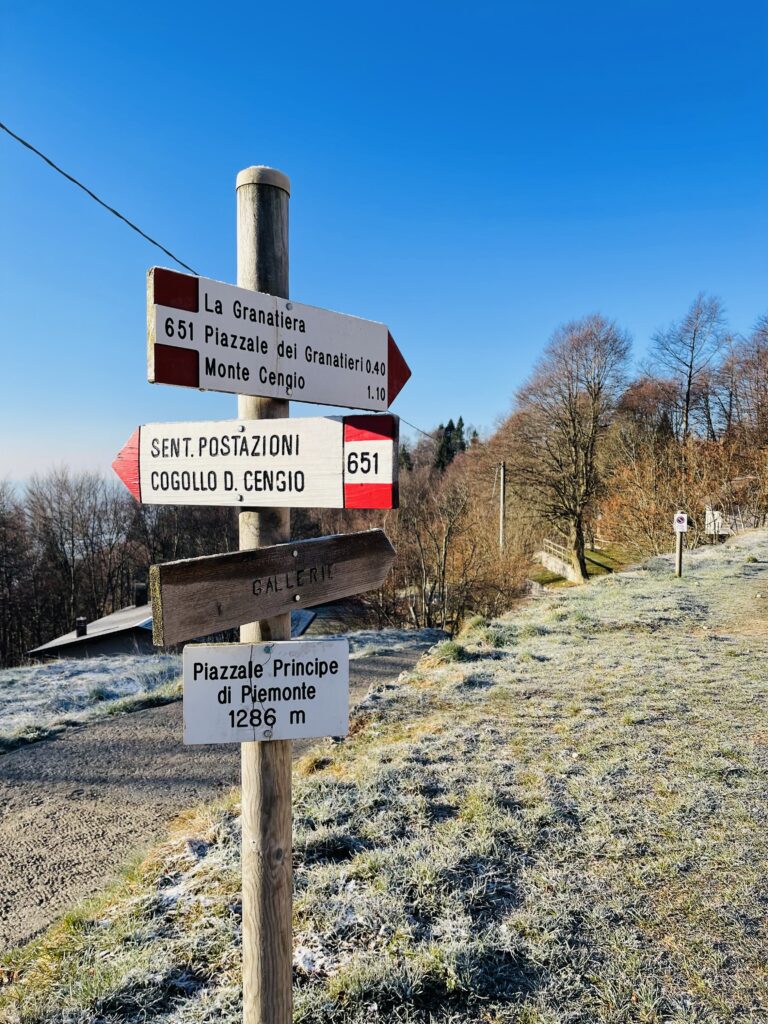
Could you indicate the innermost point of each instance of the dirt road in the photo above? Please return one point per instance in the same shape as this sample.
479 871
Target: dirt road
74 808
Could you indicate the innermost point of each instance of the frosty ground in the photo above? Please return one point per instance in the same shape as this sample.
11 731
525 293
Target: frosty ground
559 817
41 699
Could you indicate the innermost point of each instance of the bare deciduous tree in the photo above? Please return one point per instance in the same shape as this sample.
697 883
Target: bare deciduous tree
688 351
748 369
560 417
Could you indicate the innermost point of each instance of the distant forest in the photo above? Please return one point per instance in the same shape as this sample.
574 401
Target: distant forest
593 456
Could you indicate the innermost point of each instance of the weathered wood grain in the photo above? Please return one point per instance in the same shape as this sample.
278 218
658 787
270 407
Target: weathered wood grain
200 596
262 264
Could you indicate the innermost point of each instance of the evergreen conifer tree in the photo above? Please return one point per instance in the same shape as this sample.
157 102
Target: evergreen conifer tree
451 442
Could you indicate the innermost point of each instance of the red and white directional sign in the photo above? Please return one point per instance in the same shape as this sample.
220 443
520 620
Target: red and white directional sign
318 462
217 337
236 693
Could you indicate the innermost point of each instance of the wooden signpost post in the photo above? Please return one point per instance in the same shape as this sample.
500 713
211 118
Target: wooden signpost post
205 334
322 462
263 692
680 524
275 691
265 768
200 596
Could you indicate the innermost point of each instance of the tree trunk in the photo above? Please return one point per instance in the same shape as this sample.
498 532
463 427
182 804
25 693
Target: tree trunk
576 545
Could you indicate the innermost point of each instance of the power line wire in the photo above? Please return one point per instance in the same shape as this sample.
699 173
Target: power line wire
137 229
413 425
93 196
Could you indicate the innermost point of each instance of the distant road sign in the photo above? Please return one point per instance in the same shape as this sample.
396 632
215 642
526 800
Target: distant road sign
236 693
199 596
320 462
681 522
214 336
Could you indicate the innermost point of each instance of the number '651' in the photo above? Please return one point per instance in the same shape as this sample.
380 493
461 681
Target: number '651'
179 329
362 462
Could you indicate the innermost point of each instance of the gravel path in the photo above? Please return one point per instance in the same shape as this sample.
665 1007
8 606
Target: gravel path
74 808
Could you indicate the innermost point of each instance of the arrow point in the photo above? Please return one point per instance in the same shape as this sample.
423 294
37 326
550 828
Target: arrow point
398 370
126 465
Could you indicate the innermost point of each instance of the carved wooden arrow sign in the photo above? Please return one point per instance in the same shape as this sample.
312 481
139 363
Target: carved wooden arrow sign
217 337
322 462
200 596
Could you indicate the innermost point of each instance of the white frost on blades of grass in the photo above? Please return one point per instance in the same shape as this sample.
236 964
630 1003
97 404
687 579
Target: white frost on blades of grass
39 696
567 822
650 596
366 642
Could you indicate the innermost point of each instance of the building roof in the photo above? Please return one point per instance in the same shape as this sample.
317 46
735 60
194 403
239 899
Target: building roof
134 617
140 617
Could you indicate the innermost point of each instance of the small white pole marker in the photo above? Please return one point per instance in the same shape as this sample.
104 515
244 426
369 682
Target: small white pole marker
680 524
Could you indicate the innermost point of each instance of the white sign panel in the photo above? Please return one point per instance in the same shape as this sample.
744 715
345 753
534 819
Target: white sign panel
218 337
681 522
322 462
714 523
281 690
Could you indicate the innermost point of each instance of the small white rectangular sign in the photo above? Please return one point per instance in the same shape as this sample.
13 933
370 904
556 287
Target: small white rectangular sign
280 690
681 522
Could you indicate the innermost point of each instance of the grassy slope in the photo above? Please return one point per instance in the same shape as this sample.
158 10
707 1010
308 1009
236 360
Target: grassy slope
561 818
599 562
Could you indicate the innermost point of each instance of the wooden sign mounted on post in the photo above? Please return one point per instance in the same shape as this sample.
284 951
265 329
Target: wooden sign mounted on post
238 693
205 334
321 462
200 596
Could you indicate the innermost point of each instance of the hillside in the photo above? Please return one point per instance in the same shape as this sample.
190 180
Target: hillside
559 818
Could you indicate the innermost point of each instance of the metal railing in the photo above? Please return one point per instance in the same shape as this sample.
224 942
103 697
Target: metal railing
553 548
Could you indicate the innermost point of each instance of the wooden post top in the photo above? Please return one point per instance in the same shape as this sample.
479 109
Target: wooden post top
259 175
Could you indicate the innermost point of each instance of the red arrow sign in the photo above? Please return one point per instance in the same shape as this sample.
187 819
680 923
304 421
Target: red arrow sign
318 462
214 336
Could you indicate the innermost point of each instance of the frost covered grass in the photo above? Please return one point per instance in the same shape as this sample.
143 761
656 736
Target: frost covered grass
366 643
38 700
567 825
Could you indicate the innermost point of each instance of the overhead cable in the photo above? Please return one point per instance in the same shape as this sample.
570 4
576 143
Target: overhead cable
152 241
93 196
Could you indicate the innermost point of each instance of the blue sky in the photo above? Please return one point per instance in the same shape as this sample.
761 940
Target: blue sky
473 175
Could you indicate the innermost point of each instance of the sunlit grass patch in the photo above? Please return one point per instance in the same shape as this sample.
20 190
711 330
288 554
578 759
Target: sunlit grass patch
444 653
569 827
